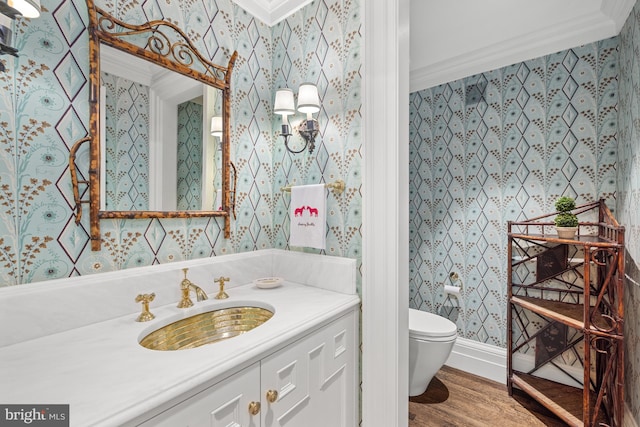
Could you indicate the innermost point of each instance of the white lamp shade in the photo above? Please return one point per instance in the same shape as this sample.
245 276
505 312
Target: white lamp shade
284 103
216 126
308 99
27 8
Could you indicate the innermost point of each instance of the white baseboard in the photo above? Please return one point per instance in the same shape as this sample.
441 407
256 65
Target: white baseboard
489 361
485 360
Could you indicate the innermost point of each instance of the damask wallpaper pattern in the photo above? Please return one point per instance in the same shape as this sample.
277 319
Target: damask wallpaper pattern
628 199
499 146
44 110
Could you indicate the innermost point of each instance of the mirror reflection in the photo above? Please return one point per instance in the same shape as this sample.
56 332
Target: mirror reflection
157 150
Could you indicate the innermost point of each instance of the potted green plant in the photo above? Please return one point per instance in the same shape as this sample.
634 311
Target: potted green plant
566 222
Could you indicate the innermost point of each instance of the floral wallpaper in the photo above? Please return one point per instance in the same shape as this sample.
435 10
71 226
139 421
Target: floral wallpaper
503 145
330 59
629 199
500 146
126 144
44 109
189 186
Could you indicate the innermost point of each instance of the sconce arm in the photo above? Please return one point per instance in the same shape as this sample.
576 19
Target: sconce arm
286 144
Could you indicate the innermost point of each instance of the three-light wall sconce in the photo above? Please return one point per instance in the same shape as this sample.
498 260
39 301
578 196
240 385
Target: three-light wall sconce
309 103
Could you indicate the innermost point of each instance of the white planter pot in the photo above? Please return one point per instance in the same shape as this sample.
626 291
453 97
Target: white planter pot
567 232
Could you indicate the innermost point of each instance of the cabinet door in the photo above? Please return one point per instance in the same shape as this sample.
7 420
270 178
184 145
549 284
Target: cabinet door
222 405
315 379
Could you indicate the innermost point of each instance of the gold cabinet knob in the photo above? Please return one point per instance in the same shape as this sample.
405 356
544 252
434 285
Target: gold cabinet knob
254 408
272 396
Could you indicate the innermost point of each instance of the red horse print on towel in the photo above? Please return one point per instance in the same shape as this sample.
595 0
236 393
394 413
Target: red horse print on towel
300 211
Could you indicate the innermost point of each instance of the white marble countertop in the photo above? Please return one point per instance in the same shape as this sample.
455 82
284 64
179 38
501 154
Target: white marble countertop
108 379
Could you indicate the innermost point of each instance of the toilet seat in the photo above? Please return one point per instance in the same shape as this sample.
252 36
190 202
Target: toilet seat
430 327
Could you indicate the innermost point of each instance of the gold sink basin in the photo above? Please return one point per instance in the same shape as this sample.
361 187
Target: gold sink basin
206 328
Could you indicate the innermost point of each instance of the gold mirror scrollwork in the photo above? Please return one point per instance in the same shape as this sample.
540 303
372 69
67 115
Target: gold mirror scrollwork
163 43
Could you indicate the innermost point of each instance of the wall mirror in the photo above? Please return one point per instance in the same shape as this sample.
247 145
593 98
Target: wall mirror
154 98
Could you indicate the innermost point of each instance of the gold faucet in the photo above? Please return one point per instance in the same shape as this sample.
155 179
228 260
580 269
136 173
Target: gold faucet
186 285
222 294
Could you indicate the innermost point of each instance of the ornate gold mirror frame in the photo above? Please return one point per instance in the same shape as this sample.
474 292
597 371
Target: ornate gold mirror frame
162 43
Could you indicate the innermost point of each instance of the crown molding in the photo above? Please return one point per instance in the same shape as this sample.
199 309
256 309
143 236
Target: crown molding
574 31
271 11
617 11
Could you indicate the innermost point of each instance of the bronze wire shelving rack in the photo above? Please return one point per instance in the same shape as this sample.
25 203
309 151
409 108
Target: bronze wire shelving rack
591 305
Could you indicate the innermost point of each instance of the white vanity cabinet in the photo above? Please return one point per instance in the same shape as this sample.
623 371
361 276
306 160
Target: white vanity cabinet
307 352
311 382
315 379
222 405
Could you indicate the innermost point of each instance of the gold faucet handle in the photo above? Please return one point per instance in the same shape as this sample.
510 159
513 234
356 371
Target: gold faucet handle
185 285
221 280
185 282
145 299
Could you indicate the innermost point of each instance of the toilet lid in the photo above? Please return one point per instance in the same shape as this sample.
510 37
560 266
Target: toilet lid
423 324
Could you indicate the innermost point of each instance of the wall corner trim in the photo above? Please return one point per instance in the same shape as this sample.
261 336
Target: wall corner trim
385 222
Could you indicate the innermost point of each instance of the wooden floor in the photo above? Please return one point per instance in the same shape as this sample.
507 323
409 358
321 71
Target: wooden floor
458 399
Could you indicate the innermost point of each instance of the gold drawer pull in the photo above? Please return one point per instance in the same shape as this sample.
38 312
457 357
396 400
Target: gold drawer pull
254 408
272 396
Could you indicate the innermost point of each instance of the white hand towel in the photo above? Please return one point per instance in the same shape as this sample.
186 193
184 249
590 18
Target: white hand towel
308 216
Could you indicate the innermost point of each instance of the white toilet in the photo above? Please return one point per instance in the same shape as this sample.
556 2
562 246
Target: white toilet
431 339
